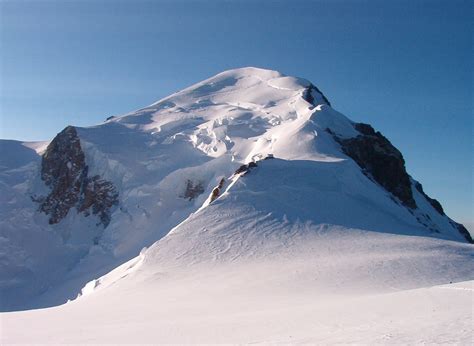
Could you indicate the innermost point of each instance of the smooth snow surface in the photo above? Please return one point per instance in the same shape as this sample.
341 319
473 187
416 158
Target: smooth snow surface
302 248
251 304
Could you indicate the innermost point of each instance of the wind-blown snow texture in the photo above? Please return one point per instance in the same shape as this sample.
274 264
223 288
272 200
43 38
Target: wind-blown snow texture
314 217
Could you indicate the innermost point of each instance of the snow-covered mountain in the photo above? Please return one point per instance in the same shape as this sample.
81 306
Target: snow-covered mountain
247 179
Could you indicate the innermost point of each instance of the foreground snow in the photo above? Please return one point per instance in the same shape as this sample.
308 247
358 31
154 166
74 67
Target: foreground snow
206 311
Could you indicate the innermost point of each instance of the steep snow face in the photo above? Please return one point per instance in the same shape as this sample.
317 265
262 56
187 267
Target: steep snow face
166 161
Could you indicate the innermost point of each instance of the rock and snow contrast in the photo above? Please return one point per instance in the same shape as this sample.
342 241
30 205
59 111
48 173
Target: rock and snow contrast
243 209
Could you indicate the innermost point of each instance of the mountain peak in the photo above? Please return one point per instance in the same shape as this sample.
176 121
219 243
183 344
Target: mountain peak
267 97
251 71
99 194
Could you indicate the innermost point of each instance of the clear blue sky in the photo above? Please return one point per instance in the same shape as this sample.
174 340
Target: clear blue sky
403 66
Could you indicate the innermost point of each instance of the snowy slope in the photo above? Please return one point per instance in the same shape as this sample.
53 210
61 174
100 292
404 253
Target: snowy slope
312 204
435 315
253 267
266 226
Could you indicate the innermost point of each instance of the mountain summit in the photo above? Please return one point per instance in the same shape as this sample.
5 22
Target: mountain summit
249 165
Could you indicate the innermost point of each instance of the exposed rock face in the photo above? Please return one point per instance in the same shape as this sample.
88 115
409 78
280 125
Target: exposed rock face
217 190
308 95
465 233
245 168
192 190
434 203
380 160
269 157
98 196
64 171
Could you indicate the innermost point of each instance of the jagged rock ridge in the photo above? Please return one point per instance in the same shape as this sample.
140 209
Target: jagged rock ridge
192 190
309 97
384 163
380 160
464 232
64 171
434 203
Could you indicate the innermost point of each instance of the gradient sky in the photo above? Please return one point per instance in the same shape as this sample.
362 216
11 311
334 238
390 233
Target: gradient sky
403 66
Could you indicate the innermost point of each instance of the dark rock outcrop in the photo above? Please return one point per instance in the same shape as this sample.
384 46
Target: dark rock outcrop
192 190
64 171
380 160
217 190
269 157
434 203
464 232
308 95
245 168
97 196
